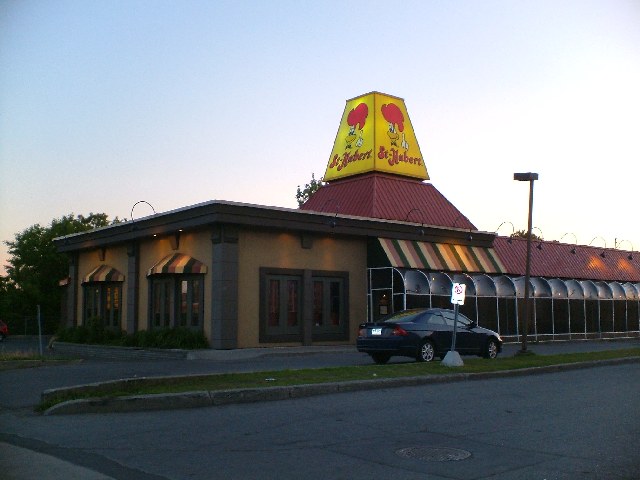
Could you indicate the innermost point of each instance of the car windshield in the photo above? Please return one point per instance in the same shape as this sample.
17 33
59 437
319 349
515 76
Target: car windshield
403 317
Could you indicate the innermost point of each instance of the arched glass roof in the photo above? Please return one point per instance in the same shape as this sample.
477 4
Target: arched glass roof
590 290
604 290
419 282
631 291
415 281
617 291
558 288
574 289
519 284
541 287
440 283
485 285
505 286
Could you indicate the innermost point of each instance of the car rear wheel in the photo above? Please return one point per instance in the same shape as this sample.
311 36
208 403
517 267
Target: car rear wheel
380 358
491 349
426 351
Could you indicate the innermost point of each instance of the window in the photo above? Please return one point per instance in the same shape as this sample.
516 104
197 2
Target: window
103 300
450 318
177 301
284 295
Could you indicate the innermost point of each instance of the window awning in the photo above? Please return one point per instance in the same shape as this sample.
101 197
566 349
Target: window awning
103 273
177 263
441 256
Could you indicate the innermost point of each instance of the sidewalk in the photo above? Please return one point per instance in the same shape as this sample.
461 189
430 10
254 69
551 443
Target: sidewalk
23 464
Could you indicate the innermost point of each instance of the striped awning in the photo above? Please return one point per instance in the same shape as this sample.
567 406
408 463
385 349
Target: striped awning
103 273
441 256
177 263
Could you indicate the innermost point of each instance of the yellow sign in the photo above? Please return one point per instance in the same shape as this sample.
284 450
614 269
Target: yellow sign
375 135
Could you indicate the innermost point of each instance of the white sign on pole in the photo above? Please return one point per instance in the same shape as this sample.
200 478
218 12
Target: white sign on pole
457 293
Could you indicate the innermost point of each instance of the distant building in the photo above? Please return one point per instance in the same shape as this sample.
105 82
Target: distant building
375 239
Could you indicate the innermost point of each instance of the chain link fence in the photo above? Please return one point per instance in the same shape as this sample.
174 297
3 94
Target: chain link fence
28 325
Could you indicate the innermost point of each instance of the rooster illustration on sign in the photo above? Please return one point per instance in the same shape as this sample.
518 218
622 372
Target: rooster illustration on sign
393 115
357 118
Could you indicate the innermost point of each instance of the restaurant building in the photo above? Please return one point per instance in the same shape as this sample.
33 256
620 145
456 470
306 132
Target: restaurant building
376 238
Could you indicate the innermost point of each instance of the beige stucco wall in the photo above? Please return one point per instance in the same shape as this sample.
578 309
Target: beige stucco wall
115 257
284 250
256 249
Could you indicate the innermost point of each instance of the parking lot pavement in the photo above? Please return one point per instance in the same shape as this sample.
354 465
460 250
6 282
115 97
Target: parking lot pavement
21 463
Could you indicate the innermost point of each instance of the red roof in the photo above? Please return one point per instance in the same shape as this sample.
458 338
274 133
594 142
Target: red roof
388 197
376 195
557 260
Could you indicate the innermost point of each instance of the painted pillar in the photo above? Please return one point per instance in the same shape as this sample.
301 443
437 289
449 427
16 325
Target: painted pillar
133 287
224 287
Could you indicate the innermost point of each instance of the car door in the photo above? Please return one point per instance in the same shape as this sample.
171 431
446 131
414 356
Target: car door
441 331
465 338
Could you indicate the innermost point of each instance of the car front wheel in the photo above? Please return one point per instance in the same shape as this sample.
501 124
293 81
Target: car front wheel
491 349
426 351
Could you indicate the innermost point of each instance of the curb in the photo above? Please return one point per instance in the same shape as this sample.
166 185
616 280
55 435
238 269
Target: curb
199 399
110 352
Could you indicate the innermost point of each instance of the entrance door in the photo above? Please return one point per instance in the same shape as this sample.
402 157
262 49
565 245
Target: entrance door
283 301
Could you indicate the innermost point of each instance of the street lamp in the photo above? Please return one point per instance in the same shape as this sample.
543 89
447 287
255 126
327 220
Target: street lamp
527 177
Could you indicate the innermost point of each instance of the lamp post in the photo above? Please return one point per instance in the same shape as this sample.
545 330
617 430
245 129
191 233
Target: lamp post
527 177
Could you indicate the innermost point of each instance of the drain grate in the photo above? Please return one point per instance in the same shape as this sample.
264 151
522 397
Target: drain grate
433 454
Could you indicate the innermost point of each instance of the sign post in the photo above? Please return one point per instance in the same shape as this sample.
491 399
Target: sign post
452 359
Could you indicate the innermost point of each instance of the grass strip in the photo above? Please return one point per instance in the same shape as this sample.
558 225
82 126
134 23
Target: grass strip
230 381
17 360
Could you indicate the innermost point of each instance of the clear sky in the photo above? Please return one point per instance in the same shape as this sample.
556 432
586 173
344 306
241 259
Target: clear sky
106 103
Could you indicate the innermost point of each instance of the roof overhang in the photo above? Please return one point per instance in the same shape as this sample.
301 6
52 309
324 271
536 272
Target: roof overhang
272 218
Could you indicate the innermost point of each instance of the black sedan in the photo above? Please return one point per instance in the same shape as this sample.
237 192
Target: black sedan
424 334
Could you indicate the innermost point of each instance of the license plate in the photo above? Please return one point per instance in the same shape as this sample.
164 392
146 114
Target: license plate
376 331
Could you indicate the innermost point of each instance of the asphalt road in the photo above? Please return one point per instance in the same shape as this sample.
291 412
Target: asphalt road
580 424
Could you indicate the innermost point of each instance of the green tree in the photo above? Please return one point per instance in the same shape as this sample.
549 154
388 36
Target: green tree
35 267
523 234
302 195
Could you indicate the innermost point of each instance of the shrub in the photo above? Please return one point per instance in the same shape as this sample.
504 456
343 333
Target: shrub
95 333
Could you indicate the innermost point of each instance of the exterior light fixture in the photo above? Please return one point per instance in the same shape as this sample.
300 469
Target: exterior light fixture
458 218
618 242
603 254
513 231
411 211
573 250
527 177
333 222
141 201
539 246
